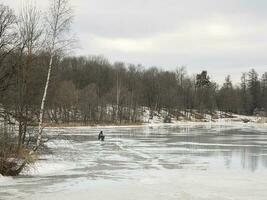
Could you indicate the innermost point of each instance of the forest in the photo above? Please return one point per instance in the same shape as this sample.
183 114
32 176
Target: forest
91 90
40 84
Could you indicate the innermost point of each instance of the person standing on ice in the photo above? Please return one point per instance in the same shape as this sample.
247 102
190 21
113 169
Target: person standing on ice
101 136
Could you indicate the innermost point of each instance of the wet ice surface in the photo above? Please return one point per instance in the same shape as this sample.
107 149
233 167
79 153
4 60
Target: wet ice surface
165 162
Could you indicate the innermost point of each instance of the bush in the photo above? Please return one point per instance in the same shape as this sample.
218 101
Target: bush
12 160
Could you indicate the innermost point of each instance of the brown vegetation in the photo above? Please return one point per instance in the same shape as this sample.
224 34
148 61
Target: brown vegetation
13 161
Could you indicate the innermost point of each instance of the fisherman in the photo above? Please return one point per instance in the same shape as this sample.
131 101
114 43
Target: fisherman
101 136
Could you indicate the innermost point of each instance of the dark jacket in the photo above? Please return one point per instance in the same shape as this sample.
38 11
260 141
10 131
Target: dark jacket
101 136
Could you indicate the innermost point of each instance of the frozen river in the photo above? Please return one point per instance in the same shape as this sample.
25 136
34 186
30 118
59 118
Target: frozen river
148 163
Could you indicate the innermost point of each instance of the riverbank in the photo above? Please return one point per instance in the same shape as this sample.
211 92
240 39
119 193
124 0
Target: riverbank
77 124
159 121
162 117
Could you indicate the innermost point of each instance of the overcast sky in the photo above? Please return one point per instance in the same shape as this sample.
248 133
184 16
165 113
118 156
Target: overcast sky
221 36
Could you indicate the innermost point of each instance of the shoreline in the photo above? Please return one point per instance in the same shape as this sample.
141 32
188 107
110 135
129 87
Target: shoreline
176 123
159 120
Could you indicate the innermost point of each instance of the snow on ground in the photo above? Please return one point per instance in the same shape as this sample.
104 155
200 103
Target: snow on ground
190 118
194 116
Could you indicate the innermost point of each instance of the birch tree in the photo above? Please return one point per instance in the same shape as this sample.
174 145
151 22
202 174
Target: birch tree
59 18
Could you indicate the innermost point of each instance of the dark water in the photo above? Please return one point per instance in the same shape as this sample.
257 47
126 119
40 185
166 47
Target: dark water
75 156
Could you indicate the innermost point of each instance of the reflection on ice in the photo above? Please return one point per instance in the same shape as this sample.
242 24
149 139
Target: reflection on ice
74 157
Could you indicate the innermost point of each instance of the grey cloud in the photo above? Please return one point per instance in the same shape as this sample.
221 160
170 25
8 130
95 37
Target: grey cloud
220 36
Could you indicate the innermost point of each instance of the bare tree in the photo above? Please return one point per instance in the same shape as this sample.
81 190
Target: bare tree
119 66
30 27
30 32
58 23
8 37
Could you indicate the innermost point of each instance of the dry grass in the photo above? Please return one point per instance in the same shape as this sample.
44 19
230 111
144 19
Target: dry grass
79 124
14 160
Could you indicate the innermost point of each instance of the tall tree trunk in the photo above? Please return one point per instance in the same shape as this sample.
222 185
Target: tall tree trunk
41 116
118 91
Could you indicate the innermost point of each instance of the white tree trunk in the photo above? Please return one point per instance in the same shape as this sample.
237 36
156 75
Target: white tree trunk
41 116
60 19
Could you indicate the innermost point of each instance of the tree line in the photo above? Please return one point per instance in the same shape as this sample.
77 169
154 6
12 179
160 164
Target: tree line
39 84
91 90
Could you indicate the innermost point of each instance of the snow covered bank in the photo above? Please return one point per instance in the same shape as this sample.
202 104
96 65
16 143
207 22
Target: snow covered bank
158 120
154 118
194 117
